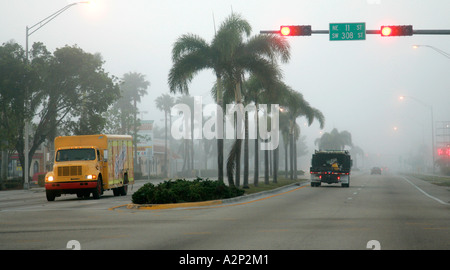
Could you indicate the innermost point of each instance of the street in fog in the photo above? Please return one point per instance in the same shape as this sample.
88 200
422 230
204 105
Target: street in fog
396 211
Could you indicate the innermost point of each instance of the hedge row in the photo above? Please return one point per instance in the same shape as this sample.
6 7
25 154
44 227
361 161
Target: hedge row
182 190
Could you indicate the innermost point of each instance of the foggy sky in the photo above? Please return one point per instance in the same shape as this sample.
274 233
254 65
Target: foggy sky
356 84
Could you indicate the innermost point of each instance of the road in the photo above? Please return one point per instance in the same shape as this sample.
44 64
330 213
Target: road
396 212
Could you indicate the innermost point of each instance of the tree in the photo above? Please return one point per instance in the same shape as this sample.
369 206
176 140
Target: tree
54 85
13 80
165 103
257 56
123 115
297 106
334 140
192 54
133 87
188 164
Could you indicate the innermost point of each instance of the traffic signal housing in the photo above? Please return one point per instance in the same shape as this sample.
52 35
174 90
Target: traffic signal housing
295 30
444 152
396 30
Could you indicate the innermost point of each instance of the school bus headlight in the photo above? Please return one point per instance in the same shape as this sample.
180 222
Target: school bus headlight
50 178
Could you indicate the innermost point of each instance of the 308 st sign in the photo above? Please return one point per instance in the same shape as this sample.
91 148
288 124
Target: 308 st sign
347 31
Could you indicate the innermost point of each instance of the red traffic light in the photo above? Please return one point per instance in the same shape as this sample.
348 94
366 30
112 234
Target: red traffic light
285 30
443 152
386 31
396 30
295 30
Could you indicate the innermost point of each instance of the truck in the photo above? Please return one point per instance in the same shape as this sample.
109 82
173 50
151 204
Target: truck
330 166
91 164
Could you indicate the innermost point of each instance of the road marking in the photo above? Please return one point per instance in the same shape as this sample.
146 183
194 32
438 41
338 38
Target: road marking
426 194
273 230
196 233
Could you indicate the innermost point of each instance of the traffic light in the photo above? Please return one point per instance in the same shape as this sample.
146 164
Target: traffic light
396 30
444 152
295 30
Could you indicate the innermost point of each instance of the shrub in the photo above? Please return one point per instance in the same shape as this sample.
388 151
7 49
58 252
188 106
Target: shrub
182 190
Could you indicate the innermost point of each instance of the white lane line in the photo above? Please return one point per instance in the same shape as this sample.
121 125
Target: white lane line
426 194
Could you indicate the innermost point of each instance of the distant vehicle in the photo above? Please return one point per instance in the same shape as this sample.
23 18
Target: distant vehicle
91 164
331 166
375 170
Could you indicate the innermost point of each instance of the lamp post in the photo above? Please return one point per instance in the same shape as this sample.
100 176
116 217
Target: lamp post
432 125
28 32
434 48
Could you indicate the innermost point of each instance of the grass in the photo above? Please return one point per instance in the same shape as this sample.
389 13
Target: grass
434 179
280 183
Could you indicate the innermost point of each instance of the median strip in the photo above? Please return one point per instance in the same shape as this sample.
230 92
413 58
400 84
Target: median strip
215 203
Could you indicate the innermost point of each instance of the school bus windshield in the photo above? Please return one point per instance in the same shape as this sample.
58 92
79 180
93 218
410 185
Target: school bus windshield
75 154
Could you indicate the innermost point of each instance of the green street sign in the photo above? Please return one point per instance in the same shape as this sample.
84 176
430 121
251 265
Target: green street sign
347 31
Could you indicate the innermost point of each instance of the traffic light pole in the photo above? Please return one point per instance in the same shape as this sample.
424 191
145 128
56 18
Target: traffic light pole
431 32
372 32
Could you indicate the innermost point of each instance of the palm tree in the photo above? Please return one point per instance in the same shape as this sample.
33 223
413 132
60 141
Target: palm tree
334 140
253 90
192 54
165 103
284 129
189 144
257 57
133 87
297 106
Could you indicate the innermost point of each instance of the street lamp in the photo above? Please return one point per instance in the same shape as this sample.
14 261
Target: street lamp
434 48
28 32
432 124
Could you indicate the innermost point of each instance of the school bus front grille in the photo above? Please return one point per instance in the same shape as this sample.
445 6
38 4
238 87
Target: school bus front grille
69 170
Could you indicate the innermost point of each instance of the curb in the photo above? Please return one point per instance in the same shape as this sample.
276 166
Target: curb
171 205
133 206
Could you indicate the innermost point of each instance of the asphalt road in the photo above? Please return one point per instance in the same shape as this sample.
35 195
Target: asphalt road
386 212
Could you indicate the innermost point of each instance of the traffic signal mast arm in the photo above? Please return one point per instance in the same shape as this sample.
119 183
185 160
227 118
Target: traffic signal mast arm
388 30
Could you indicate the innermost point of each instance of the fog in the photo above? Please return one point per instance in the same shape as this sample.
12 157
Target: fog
356 84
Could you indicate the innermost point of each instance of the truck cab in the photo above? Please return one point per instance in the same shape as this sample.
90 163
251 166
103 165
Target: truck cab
331 166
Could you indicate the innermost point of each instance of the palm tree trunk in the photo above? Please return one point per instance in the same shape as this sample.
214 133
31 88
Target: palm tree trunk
231 161
291 153
270 162
219 129
295 159
165 150
238 163
286 160
275 165
256 169
246 161
266 166
192 143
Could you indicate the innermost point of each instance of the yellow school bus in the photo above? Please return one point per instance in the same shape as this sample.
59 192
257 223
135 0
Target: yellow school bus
91 164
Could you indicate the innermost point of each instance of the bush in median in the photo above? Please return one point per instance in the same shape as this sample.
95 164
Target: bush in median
182 190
